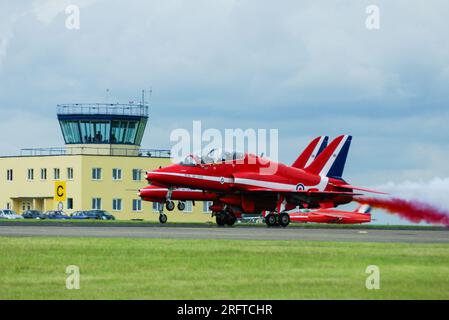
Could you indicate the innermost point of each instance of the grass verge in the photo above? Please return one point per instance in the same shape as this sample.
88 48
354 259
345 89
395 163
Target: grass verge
34 268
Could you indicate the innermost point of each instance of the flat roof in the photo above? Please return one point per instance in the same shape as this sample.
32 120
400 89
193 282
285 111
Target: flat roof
83 155
119 109
92 151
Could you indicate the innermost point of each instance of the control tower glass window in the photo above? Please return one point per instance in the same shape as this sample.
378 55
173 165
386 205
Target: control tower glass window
95 131
131 132
102 123
118 131
71 131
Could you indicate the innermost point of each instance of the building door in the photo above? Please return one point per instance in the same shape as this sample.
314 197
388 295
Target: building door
26 205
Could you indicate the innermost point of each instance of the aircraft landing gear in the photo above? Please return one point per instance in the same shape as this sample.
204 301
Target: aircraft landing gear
162 218
271 220
181 205
162 215
284 219
225 218
170 205
220 218
230 219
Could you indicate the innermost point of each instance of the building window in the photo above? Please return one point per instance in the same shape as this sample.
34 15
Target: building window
189 207
8 205
137 205
43 174
116 174
96 203
137 174
157 206
206 205
56 174
96 173
69 203
9 176
69 173
117 204
30 174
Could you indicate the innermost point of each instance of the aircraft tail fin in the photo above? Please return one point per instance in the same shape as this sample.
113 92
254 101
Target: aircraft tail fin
315 147
331 162
363 208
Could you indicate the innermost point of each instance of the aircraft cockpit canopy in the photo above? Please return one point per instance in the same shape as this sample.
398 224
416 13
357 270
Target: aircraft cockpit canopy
213 156
220 155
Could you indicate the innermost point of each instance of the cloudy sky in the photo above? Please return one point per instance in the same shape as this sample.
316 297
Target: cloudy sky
304 67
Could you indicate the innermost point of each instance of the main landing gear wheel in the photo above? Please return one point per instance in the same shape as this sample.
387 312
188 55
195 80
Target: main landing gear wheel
181 206
271 220
220 218
230 219
170 205
284 219
162 218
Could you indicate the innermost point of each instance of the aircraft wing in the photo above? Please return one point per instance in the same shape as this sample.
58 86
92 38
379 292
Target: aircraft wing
302 194
335 217
328 214
348 186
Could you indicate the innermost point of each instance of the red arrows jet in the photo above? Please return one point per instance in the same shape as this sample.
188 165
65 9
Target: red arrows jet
245 183
160 194
360 215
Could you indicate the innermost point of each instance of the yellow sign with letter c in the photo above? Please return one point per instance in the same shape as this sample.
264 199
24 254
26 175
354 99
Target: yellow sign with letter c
60 191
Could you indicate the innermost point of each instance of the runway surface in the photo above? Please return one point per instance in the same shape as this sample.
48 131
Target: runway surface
235 233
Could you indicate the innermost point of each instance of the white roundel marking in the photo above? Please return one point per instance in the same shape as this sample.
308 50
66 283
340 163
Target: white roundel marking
300 186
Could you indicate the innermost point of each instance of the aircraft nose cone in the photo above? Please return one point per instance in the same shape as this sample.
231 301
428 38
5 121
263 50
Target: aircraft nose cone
151 176
155 176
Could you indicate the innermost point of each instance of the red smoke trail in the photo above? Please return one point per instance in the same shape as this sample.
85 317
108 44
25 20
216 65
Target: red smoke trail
414 211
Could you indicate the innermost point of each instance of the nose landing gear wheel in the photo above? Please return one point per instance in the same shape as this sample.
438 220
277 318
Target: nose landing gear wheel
170 205
270 220
284 219
162 218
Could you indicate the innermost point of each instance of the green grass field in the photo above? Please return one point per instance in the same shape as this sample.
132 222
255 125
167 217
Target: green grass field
34 268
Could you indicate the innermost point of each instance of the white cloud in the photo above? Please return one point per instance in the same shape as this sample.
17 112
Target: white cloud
305 67
8 19
27 130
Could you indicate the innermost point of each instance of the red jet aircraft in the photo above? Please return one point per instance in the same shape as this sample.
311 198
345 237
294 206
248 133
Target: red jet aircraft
159 194
358 216
243 185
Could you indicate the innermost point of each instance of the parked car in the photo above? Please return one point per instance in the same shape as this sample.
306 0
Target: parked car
100 215
80 215
9 214
60 215
33 214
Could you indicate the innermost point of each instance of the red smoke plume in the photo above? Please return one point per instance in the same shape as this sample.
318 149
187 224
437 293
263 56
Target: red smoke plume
414 211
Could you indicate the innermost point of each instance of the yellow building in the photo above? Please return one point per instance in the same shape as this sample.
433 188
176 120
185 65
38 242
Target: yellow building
102 166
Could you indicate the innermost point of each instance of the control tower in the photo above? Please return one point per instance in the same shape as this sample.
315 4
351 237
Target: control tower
103 129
